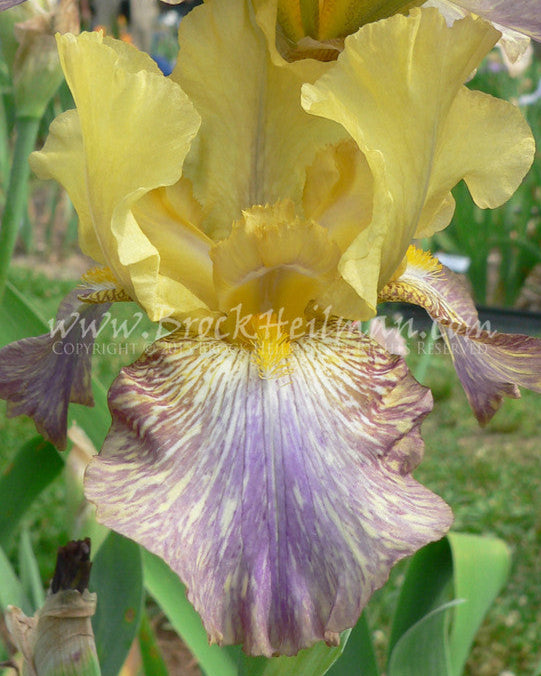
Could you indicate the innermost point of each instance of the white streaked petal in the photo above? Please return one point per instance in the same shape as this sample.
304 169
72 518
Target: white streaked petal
282 504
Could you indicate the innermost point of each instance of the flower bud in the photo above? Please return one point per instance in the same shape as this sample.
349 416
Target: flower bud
29 48
58 640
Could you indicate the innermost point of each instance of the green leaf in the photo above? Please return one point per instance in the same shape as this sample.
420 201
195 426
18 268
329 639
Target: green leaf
170 594
11 589
29 571
426 586
359 656
470 568
481 567
117 579
20 319
314 661
423 649
21 483
153 664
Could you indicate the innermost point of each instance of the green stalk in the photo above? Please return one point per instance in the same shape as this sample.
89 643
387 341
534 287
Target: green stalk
427 356
27 131
4 144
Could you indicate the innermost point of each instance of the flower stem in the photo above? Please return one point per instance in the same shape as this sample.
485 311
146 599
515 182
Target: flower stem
4 144
27 131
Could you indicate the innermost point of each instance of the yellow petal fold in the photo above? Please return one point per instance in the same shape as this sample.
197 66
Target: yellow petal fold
338 192
168 217
274 261
398 90
62 158
328 19
136 127
255 139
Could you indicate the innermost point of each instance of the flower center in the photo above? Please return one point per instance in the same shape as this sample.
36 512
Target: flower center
330 19
271 346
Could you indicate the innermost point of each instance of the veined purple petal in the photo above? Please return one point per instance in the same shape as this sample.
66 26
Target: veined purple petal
490 365
40 376
6 4
281 503
520 15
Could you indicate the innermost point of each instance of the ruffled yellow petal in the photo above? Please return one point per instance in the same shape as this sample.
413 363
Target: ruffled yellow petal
274 262
62 158
397 89
255 139
488 143
136 128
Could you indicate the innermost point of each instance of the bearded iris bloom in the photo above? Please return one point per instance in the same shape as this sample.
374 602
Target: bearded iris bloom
265 447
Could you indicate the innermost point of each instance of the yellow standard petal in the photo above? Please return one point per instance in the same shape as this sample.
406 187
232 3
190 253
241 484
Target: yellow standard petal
488 143
397 89
133 130
255 139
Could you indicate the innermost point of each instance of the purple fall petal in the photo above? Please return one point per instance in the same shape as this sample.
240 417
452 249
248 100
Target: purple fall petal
6 4
40 376
282 504
490 365
523 16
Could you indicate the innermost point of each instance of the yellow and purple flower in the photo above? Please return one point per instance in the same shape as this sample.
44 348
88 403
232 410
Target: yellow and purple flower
265 447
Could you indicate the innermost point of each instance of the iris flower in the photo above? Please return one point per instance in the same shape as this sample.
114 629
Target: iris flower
264 448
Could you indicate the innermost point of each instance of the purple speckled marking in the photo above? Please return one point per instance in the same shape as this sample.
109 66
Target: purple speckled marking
490 365
282 504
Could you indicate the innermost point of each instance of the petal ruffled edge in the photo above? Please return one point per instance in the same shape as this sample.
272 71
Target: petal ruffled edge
490 365
281 503
110 156
400 103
